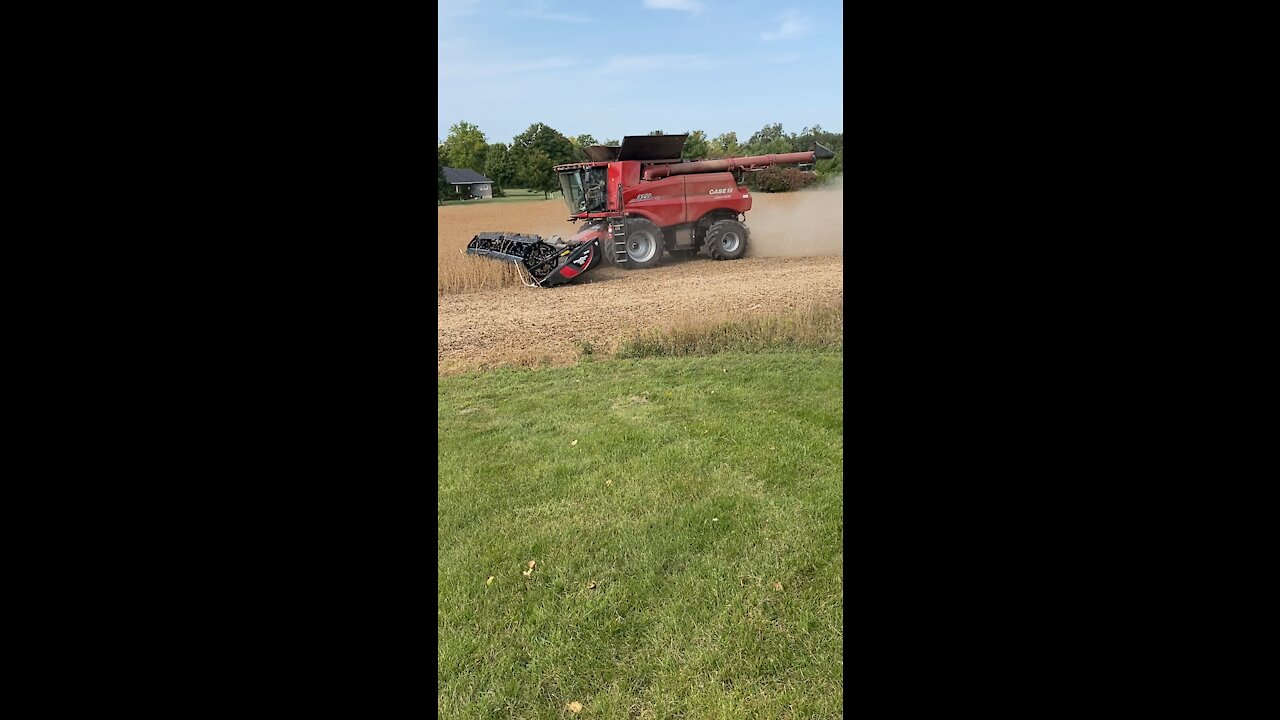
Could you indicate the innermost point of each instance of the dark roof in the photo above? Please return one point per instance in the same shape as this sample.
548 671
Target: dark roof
463 176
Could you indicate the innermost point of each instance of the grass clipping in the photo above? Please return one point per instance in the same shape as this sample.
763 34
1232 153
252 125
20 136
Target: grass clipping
815 327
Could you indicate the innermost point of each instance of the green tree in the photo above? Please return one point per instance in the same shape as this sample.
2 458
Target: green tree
442 185
832 167
536 151
777 146
832 141
537 173
498 165
725 145
804 141
465 147
765 135
696 145
614 143
580 145
772 131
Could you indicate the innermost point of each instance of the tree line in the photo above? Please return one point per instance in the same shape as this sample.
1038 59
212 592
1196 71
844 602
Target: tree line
527 161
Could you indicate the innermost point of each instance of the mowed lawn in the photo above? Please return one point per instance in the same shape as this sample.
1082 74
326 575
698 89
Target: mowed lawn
688 547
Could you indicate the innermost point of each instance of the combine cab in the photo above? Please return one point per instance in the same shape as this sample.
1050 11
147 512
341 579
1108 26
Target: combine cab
640 200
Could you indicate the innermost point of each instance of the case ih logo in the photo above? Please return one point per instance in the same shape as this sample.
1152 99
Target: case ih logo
721 191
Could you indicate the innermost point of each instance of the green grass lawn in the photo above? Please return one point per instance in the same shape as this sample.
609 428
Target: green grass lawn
512 195
695 485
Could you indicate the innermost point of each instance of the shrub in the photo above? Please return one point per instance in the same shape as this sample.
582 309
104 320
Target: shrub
781 179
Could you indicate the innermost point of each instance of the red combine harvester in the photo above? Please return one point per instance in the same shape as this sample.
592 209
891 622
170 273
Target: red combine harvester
640 199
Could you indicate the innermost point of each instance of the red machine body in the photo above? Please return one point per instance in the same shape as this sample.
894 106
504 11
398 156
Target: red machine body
668 201
639 200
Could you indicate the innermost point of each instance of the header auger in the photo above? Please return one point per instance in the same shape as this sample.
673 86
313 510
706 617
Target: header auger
639 199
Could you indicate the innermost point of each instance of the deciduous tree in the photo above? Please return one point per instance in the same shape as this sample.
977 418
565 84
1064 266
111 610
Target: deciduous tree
465 147
498 166
442 184
725 145
764 137
536 172
536 151
695 146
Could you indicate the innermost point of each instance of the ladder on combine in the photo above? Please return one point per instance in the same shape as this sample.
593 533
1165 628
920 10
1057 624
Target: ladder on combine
618 232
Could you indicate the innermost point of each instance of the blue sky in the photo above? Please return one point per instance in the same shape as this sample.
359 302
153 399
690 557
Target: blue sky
625 67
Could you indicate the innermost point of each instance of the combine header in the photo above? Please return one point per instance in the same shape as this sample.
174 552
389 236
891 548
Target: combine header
640 199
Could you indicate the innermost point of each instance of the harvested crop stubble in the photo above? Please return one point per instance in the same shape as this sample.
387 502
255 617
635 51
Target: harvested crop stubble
522 326
457 224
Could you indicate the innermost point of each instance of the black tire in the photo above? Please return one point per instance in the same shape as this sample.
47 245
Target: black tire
726 240
644 244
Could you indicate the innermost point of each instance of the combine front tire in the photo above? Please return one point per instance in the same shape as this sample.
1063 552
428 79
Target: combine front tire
726 240
644 243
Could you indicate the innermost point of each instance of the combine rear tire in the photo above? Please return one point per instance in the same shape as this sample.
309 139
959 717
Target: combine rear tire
644 244
726 240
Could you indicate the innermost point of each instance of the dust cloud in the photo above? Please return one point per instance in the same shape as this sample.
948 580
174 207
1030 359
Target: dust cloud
806 223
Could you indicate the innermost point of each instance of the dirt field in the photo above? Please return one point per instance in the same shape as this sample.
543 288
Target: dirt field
484 319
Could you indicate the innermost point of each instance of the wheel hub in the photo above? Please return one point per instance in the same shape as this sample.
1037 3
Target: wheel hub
641 246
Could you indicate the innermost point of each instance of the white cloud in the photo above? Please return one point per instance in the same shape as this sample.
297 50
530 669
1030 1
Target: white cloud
688 5
793 27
